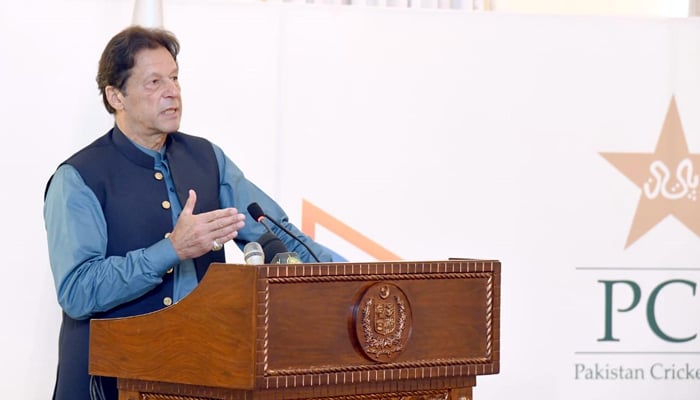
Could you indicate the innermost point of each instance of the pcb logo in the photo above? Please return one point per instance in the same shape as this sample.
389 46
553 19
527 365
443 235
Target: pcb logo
668 179
383 322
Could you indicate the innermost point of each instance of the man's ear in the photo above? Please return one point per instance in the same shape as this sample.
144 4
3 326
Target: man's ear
115 97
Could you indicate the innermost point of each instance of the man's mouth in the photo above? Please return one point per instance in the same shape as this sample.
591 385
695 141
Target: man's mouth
170 111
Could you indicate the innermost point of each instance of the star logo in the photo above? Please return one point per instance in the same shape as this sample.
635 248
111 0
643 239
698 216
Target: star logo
668 179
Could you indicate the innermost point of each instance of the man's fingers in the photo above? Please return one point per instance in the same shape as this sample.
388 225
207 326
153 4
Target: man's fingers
226 225
194 235
229 232
191 201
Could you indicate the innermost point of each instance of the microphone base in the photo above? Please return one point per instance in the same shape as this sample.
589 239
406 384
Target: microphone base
286 258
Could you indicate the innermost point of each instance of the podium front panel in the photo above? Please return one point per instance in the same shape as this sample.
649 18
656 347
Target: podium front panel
353 323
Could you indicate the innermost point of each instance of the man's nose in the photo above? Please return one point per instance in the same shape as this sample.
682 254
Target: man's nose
172 88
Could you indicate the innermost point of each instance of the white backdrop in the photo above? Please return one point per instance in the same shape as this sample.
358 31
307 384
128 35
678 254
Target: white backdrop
435 133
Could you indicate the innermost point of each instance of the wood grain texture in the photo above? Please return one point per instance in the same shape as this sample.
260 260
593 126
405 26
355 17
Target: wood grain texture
290 332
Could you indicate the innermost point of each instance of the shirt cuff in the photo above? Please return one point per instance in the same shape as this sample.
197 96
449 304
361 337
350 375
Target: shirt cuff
162 255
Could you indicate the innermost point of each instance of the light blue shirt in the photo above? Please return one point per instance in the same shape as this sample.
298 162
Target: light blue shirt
88 282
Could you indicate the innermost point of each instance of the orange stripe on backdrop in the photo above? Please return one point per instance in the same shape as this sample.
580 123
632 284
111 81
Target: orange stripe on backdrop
312 216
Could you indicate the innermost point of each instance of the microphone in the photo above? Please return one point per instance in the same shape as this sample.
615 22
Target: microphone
275 251
253 253
259 215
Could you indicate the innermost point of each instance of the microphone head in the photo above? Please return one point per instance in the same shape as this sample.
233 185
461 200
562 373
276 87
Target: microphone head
256 211
271 246
253 253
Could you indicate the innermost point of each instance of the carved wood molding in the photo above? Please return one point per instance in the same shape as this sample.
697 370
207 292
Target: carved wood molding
379 277
408 395
155 396
439 364
411 395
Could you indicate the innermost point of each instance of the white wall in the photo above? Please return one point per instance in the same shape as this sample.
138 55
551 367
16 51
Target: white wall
384 118
667 8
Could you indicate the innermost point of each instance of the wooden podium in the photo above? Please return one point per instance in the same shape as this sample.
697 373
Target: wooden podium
352 331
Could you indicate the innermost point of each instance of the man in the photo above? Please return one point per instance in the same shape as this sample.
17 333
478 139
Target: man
134 219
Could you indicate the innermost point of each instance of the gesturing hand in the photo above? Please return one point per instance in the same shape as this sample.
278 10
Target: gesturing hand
194 235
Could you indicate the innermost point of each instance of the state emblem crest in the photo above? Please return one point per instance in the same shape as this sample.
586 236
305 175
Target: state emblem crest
383 322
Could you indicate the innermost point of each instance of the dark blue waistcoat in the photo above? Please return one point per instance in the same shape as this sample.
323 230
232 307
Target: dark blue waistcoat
125 182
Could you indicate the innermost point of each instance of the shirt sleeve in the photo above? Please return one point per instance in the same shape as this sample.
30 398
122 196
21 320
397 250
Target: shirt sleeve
237 191
86 280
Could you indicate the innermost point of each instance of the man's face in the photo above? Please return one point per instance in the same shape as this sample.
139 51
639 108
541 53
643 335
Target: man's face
151 98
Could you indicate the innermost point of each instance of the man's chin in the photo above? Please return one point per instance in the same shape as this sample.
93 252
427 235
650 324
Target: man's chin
170 127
